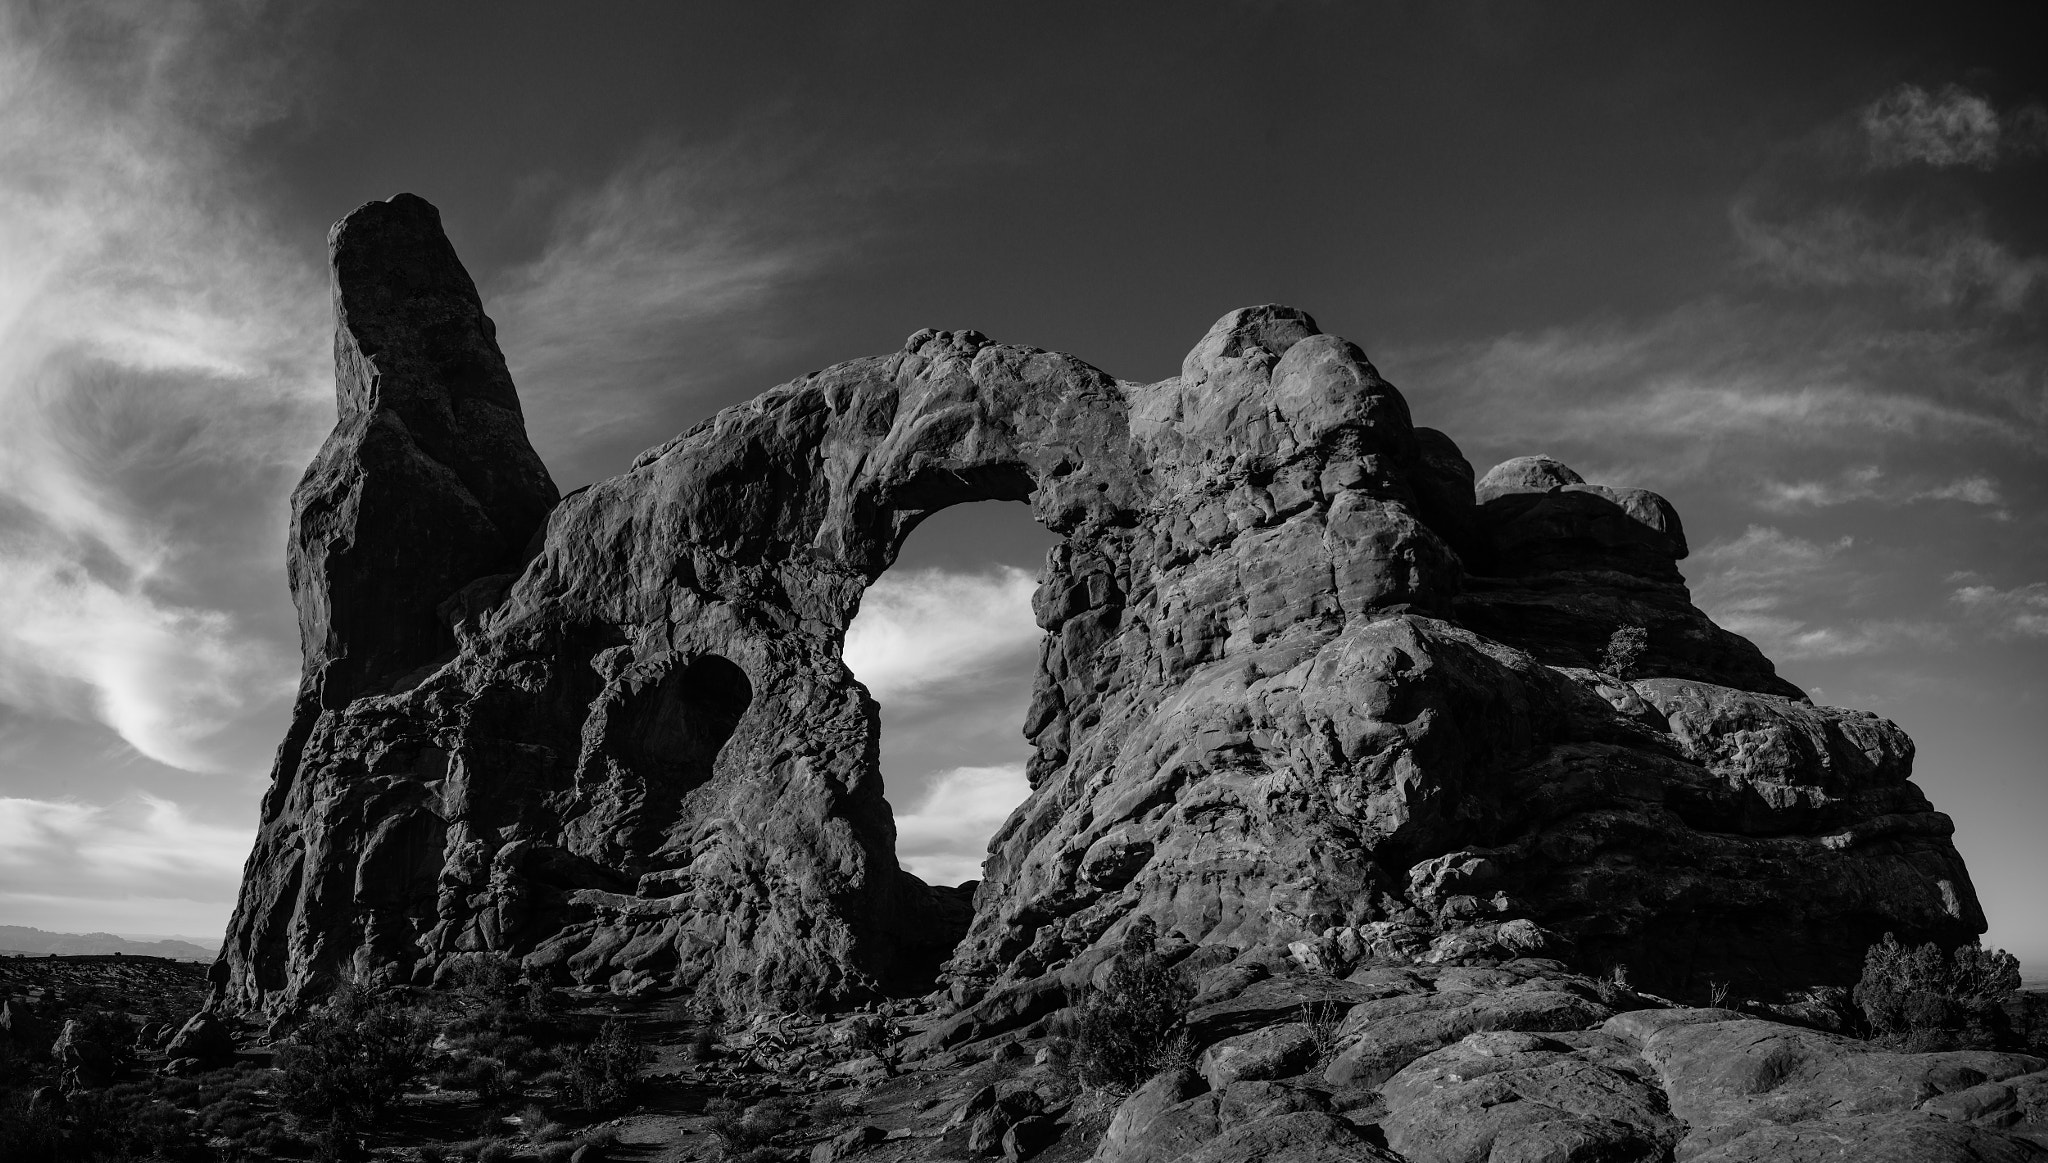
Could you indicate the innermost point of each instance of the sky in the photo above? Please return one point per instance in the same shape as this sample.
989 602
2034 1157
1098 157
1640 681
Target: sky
1787 267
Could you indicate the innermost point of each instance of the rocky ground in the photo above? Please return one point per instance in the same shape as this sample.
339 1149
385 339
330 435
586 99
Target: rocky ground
152 988
1283 1061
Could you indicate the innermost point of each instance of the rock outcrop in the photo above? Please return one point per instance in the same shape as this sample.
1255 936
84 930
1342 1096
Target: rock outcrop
1304 680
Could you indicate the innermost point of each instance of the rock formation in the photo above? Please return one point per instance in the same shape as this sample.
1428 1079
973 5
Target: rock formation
1304 680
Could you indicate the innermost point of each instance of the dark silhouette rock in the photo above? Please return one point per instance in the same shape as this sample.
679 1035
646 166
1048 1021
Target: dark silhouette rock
1305 686
23 1026
83 1060
204 1037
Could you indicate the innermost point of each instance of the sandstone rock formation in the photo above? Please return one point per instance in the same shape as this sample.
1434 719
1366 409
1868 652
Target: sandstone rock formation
1304 681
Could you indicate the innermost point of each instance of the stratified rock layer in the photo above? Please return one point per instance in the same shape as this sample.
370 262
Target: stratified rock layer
1304 680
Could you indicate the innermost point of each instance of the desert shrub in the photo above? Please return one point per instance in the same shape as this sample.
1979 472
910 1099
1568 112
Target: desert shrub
118 1123
1131 1028
602 1073
495 1065
868 1034
535 1124
701 1045
833 1108
743 1132
27 1133
1921 999
112 1032
1624 651
1324 1020
350 1060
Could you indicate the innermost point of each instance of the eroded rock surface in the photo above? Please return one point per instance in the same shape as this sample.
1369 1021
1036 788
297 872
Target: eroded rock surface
1306 684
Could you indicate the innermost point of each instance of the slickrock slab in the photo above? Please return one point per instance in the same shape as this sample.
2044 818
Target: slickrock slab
1380 1038
1523 1096
1733 1082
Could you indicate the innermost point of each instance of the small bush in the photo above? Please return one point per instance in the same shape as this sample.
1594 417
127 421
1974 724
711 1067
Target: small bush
602 1074
495 1065
1131 1028
834 1108
1324 1019
1624 652
1923 1000
350 1060
744 1132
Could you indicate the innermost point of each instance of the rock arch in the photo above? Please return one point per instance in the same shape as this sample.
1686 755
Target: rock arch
1304 680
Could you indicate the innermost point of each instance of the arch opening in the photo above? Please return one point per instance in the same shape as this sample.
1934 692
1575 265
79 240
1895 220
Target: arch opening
671 730
947 644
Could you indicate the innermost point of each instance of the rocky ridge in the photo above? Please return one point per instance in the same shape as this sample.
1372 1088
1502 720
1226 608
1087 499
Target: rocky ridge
1306 681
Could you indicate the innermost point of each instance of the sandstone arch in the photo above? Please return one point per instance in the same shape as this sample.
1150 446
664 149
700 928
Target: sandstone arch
1304 679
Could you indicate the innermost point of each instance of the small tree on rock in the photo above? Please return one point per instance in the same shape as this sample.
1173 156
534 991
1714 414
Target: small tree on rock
1131 1028
1925 1000
1624 652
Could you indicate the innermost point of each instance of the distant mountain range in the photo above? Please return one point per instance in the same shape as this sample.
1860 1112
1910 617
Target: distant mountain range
21 939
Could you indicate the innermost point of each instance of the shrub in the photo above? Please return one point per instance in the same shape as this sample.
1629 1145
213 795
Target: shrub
350 1060
742 1132
27 1133
1131 1028
1624 652
495 1065
1324 1020
1924 1000
603 1072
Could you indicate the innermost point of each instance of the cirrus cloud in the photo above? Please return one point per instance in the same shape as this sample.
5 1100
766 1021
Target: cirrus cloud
152 332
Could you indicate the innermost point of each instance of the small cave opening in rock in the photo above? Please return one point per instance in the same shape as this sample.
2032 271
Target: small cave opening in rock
946 643
671 730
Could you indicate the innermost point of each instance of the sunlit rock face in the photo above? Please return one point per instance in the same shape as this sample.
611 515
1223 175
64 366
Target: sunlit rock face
1303 680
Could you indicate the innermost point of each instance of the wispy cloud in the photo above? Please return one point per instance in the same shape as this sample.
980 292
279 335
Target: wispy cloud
921 635
655 279
165 678
1763 583
1716 383
1950 126
141 862
2021 612
1948 263
678 269
150 327
1869 483
944 839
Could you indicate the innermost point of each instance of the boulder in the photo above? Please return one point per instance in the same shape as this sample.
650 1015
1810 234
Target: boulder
204 1036
1167 1116
1028 1136
80 1057
1272 1052
23 1026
